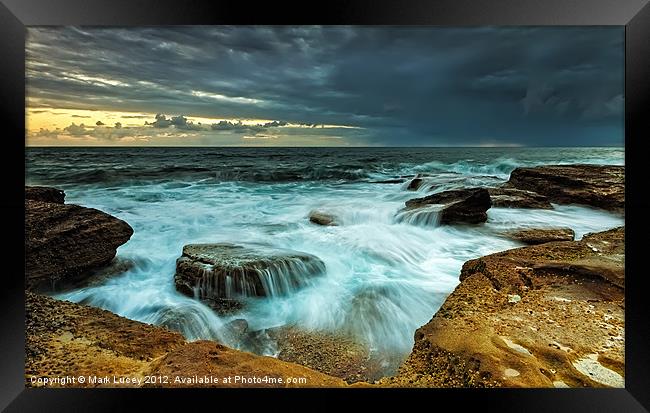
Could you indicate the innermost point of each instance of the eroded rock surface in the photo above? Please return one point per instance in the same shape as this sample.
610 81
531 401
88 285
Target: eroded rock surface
601 186
534 236
517 198
549 315
65 243
67 339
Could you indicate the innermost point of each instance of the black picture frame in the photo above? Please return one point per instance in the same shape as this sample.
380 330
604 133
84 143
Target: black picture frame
15 15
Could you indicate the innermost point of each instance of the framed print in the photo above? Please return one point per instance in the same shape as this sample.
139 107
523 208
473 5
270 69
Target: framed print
271 204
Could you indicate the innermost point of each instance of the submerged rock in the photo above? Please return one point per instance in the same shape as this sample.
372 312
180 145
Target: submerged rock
68 339
466 206
322 218
231 272
65 243
534 316
517 198
535 236
337 355
595 185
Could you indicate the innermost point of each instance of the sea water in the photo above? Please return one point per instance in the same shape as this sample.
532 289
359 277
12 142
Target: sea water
384 277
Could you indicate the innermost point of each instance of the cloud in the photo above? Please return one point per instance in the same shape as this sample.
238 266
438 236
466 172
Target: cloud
76 130
404 85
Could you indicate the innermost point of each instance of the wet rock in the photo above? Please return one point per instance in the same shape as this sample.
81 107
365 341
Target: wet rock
236 329
322 218
44 194
389 181
569 320
337 355
68 339
594 185
232 272
65 243
415 184
517 198
534 236
460 206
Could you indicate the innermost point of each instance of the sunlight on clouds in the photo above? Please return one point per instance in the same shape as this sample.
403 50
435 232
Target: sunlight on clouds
77 127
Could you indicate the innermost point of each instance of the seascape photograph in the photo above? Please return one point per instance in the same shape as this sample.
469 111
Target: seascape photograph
325 206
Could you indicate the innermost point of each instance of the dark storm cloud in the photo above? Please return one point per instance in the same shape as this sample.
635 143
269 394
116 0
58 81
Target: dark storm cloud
405 86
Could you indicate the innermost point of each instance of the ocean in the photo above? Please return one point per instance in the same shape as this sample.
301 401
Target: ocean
384 277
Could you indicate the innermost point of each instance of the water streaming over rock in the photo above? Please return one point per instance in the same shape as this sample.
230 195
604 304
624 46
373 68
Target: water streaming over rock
382 277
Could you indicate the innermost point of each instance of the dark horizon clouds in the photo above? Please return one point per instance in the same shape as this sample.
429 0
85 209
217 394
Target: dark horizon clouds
397 86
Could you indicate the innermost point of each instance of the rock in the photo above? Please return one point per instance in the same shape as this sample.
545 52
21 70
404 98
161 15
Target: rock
65 243
44 194
232 272
322 218
67 339
594 185
569 320
513 298
415 184
466 206
236 329
333 354
389 181
535 236
516 198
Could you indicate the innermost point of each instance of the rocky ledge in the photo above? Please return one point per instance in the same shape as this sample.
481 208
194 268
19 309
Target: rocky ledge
67 339
549 315
222 272
534 236
517 198
459 206
595 185
65 243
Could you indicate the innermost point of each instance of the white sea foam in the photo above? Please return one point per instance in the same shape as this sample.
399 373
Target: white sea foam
384 277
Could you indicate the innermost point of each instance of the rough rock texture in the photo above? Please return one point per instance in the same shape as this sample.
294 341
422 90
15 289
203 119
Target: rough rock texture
534 236
457 206
227 271
539 316
67 339
517 198
333 354
64 243
595 185
322 218
44 194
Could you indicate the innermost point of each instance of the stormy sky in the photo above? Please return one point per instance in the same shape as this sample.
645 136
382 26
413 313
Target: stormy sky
322 86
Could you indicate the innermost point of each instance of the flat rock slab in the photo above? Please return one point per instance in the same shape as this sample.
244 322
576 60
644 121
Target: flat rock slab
228 271
68 339
459 206
517 198
529 317
65 243
594 185
534 236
